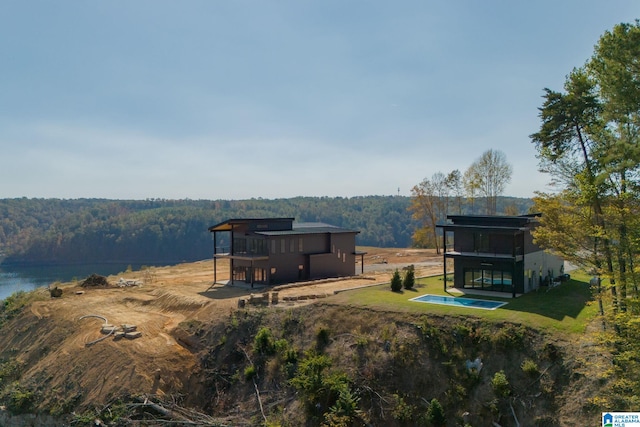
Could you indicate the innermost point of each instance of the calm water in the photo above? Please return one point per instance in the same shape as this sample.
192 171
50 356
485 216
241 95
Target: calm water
29 278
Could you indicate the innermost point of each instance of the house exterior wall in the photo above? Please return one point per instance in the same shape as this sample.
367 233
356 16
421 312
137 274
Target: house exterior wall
323 255
539 265
317 243
288 263
343 250
529 246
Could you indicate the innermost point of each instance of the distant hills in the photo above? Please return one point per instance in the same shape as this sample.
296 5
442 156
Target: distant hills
155 231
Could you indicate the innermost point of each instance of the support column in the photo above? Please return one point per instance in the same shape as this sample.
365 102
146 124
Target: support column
513 268
444 257
231 249
215 260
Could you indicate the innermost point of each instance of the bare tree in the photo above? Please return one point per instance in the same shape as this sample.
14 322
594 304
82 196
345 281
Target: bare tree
490 174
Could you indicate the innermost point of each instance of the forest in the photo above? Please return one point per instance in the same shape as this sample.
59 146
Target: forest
155 231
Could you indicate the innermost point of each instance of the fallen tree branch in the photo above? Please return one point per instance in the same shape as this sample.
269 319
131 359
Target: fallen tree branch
255 385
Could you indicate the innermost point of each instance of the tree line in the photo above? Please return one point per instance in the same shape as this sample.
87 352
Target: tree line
155 231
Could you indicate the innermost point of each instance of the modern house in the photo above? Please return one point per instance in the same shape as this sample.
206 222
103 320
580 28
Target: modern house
497 253
272 251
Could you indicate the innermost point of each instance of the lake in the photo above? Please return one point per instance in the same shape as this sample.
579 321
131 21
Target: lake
13 279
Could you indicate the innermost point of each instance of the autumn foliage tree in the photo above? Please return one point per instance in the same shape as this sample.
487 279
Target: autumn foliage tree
589 143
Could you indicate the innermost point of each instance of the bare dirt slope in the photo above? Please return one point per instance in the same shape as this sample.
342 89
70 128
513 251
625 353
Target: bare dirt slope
54 343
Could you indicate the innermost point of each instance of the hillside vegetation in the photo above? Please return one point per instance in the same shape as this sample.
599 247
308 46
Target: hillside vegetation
168 231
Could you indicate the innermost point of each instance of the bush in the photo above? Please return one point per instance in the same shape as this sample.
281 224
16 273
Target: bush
396 282
20 400
530 367
435 413
409 280
250 373
320 389
500 384
345 410
13 304
263 342
10 370
403 411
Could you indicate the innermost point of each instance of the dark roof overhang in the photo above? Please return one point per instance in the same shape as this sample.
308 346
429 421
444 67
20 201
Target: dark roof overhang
230 224
494 229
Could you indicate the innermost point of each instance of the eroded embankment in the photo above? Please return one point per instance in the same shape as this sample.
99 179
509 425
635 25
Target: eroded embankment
291 366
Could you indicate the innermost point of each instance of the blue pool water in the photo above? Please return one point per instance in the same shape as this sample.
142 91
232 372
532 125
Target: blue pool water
459 302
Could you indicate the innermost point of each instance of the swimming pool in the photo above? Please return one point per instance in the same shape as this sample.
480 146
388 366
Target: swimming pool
459 302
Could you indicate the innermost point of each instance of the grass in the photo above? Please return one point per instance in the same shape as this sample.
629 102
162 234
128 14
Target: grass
565 308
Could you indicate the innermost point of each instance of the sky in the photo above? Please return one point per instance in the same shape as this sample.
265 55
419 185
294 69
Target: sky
276 99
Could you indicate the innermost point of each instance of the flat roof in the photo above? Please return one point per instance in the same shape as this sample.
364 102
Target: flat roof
481 227
492 221
230 223
308 228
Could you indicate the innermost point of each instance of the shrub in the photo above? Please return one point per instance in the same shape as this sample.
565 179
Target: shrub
13 304
396 282
409 280
500 384
250 373
345 410
10 370
510 336
20 400
435 413
263 342
319 388
403 411
530 367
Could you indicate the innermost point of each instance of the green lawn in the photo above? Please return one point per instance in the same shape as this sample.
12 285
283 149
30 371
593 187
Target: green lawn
565 308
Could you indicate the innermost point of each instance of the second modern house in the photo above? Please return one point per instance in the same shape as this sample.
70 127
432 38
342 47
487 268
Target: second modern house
278 250
497 253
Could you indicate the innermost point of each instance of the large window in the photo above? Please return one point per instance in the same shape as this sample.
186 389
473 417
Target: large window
251 246
489 279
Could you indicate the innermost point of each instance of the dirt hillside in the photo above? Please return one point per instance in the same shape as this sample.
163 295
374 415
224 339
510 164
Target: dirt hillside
61 345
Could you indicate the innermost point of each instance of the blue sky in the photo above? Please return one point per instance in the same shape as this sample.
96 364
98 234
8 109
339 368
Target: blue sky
275 99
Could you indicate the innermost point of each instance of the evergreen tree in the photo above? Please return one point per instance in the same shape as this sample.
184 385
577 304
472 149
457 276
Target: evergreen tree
435 413
396 282
409 278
